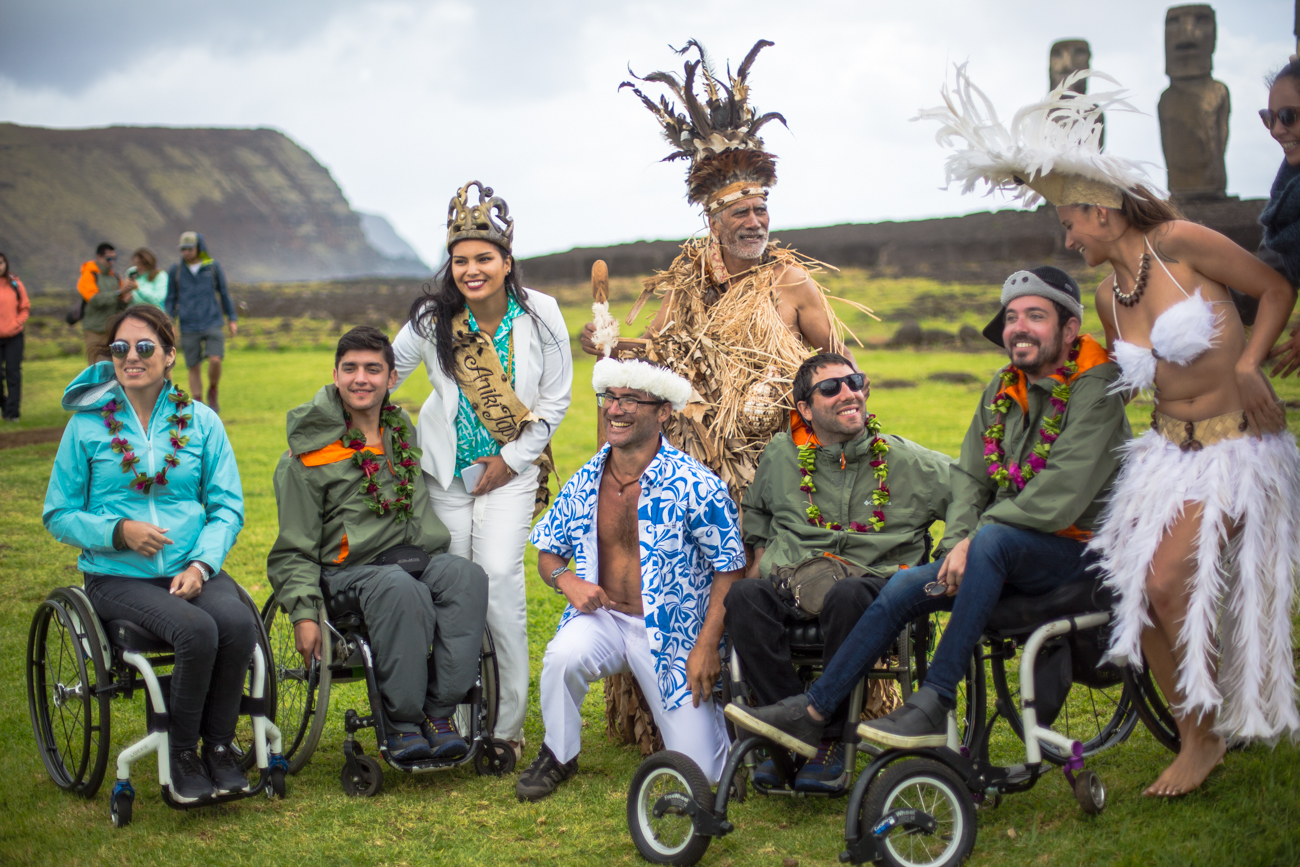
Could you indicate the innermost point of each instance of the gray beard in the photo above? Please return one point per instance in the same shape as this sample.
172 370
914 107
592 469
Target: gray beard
747 250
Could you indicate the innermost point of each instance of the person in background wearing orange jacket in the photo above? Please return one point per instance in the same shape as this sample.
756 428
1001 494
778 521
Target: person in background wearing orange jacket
102 290
14 309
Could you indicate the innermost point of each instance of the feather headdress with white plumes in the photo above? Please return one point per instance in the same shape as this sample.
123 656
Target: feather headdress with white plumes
1052 149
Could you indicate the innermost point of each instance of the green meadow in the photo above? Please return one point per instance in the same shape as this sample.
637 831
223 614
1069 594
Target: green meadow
1248 813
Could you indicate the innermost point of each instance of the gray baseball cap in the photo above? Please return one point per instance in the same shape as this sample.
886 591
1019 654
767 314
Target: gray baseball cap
1043 281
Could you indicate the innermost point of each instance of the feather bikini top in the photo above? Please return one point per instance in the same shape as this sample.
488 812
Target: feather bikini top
1180 334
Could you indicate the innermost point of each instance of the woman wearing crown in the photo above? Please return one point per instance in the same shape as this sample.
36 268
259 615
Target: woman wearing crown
1201 541
497 355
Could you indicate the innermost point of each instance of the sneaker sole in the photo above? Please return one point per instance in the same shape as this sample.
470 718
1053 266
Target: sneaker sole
742 718
902 742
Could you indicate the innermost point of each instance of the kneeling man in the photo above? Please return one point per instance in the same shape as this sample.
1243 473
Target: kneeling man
655 543
1036 466
835 487
349 490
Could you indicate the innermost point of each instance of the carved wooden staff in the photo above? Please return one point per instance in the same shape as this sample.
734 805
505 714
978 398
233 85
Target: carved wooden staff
599 293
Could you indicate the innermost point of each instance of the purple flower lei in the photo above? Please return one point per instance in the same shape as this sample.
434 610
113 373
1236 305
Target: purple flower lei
1005 472
405 463
879 497
143 482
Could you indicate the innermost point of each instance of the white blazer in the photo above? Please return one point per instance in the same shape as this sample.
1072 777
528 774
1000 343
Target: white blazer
543 382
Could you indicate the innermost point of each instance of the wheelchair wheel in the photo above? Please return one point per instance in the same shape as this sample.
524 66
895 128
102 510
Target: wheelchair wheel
1097 717
1090 792
368 780
68 691
243 743
933 789
489 679
1152 709
663 832
301 691
496 759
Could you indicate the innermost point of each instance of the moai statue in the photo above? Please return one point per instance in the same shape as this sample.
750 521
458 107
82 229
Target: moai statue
1067 56
1194 110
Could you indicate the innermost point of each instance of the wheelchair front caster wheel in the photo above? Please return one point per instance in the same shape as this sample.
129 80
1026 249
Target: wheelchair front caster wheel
497 758
276 788
368 780
119 809
663 832
948 835
1090 792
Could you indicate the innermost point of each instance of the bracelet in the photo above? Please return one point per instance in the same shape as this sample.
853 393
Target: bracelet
555 578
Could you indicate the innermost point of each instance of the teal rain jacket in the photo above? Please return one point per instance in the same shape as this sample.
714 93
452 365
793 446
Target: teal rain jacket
201 507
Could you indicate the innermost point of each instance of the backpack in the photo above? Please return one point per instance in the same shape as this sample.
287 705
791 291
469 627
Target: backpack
77 311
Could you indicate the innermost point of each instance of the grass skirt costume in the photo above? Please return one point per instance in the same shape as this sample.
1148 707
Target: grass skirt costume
1239 614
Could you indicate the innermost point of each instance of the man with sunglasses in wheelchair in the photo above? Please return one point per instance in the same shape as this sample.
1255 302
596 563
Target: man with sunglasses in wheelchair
836 508
1035 468
352 503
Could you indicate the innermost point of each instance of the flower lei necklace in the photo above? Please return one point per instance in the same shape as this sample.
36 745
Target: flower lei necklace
994 455
405 464
142 482
879 468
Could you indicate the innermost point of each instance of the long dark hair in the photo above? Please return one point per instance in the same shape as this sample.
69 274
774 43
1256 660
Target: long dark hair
432 312
1144 210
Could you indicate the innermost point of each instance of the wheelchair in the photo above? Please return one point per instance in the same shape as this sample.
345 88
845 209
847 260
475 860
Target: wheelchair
77 664
303 692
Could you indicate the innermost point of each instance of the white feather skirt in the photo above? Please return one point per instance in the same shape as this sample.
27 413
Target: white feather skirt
1239 613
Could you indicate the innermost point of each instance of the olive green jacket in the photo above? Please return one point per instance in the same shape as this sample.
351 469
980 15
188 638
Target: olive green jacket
324 520
1072 489
775 516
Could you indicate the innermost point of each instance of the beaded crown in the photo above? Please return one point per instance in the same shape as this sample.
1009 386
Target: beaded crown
489 220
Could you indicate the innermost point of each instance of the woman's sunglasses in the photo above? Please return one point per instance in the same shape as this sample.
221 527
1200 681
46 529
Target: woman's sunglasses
831 387
143 348
1287 115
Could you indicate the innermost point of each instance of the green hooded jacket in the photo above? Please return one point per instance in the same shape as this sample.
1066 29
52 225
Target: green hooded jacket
324 520
1069 493
774 508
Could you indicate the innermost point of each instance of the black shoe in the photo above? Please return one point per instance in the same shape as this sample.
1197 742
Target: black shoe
223 769
443 738
190 780
787 723
922 721
544 775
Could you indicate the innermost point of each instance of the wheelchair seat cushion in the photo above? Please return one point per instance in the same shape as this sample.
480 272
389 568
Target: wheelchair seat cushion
805 636
125 635
1018 615
341 605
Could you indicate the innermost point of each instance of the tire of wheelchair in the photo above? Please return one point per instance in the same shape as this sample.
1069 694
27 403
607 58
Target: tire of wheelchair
671 838
1152 709
905 784
69 719
244 728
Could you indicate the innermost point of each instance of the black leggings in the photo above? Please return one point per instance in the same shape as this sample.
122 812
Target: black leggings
213 635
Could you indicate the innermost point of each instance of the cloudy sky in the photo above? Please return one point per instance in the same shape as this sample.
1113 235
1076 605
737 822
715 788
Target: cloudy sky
405 101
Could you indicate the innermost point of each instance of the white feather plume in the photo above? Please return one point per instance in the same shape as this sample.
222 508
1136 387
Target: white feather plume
1060 133
643 376
605 336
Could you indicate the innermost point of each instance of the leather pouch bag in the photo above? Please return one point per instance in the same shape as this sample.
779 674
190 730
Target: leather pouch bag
804 585
412 558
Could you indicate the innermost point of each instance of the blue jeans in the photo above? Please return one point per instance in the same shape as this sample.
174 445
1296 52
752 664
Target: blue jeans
1001 558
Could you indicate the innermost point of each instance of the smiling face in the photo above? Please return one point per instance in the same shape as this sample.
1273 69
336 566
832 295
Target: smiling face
742 229
479 269
133 371
362 377
1086 233
1033 335
1285 93
629 430
840 417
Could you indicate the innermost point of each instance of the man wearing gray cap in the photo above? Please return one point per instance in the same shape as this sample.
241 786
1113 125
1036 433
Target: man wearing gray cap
1035 468
194 287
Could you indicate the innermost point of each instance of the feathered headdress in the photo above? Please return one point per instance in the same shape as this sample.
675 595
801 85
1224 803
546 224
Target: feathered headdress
1052 150
718 134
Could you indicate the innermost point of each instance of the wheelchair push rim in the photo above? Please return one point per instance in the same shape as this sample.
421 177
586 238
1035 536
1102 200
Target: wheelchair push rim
301 692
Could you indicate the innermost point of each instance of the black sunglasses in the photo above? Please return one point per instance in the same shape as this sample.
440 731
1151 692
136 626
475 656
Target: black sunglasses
143 348
1287 115
831 387
626 403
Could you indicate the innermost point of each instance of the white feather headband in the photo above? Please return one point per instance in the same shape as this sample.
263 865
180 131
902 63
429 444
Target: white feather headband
643 376
1052 150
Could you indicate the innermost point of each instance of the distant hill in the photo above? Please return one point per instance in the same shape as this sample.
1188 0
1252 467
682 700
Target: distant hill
267 209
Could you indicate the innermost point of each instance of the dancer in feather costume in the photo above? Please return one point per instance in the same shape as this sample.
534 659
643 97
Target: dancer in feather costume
1201 540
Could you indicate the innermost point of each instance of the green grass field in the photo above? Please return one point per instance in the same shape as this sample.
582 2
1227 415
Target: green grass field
1249 813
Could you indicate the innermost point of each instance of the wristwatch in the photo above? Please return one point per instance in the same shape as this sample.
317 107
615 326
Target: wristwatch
555 577
203 569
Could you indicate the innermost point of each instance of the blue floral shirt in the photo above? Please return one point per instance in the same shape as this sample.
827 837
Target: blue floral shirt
473 441
688 528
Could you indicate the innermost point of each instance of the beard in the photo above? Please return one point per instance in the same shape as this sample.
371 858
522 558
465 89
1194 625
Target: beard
749 247
1044 356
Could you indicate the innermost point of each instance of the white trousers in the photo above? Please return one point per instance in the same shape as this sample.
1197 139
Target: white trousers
594 646
491 530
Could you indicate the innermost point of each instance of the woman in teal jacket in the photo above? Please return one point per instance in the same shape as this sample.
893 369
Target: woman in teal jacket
155 506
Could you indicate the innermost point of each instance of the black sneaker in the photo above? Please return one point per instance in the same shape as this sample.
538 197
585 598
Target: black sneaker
544 775
825 773
190 780
787 723
922 721
443 738
223 769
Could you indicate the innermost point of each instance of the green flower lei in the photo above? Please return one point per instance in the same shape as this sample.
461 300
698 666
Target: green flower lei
1005 472
143 482
879 468
404 462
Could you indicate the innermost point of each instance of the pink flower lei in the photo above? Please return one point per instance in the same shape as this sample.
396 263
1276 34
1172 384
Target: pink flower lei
405 463
879 468
143 482
1006 472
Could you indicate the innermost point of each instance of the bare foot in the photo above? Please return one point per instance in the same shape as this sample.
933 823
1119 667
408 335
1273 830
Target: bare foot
1198 757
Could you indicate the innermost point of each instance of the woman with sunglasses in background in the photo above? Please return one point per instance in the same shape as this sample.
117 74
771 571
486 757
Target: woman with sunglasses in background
145 484
1281 216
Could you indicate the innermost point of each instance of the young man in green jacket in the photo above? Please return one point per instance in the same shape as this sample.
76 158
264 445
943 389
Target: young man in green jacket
1035 467
836 486
349 490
